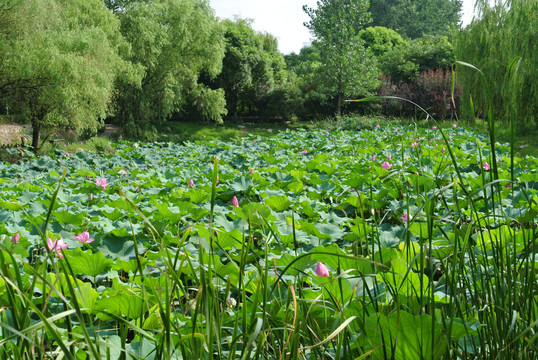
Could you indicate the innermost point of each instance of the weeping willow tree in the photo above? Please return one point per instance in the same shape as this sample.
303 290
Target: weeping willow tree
502 33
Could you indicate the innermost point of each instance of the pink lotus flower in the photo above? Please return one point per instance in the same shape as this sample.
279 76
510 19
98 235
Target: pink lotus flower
321 270
101 182
235 202
415 144
90 197
377 126
191 183
84 238
485 166
57 246
386 165
405 218
434 127
15 239
455 125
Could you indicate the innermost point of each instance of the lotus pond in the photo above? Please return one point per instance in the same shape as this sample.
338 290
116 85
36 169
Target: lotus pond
383 243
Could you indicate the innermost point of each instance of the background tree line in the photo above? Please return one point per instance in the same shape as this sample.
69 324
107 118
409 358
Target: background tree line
72 64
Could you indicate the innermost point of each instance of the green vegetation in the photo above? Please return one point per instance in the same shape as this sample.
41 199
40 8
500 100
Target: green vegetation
503 43
172 58
56 73
346 67
416 18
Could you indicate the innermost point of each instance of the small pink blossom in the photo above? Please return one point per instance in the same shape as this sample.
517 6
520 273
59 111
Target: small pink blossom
395 131
377 126
386 165
373 157
485 166
406 217
389 158
305 152
326 132
436 145
508 186
101 182
415 144
369 167
406 159
90 197
57 246
434 127
321 269
453 134
443 150
218 180
455 125
235 202
191 183
15 239
251 172
84 238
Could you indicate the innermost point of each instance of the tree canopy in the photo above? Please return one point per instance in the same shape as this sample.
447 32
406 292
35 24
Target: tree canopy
503 42
251 67
61 70
172 57
415 18
348 69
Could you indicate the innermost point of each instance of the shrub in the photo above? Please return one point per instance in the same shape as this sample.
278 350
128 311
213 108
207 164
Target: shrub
406 63
431 90
380 39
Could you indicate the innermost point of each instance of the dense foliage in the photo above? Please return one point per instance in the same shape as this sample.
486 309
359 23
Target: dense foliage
381 40
172 57
503 42
61 70
416 18
388 241
252 67
406 62
431 90
347 67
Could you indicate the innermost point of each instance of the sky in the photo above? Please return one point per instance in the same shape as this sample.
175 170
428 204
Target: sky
284 18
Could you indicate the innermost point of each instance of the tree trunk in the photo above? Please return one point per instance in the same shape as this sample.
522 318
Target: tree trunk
36 135
339 105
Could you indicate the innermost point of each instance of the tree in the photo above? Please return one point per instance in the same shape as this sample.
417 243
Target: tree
405 63
380 39
502 32
348 69
251 67
59 61
415 18
173 42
